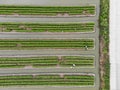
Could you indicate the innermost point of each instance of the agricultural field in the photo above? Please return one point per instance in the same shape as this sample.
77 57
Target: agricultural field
47 61
47 44
47 27
50 45
47 10
57 80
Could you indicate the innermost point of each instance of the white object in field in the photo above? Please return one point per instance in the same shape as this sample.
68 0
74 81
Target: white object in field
86 47
74 65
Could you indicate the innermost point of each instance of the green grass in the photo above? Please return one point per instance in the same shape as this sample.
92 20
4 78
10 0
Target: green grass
74 80
107 75
104 33
47 10
46 43
47 27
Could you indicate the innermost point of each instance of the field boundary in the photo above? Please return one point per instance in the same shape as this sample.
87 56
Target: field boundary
104 46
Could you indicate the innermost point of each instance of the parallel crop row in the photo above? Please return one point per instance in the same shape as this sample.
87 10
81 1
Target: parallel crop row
25 61
77 61
46 27
47 43
75 80
47 61
47 10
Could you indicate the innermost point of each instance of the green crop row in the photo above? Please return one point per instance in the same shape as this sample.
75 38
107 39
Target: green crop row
77 61
47 27
47 43
75 80
46 61
25 61
47 10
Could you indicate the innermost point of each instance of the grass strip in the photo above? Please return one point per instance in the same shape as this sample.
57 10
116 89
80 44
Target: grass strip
104 39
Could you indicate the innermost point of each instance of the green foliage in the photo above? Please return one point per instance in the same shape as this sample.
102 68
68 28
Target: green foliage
46 61
78 61
47 43
104 21
107 75
26 61
52 11
75 80
47 27
104 32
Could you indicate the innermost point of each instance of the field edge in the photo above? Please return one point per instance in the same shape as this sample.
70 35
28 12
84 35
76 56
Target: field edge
104 45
